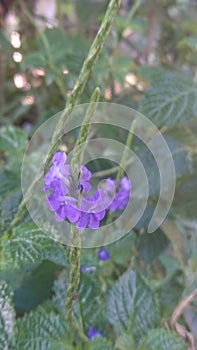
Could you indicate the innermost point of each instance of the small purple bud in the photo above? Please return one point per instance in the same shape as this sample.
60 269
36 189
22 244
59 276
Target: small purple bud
93 333
88 269
103 254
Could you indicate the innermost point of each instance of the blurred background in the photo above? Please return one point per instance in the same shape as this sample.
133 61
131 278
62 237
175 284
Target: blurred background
43 45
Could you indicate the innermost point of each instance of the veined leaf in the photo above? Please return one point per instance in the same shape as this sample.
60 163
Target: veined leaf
89 304
8 208
162 340
40 330
132 305
29 244
92 307
7 318
125 342
170 100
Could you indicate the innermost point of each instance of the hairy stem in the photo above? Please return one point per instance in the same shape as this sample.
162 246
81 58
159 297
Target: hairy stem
88 64
75 249
77 158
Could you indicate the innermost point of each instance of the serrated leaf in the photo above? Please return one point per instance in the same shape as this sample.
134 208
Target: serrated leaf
132 305
12 139
40 330
163 340
99 344
170 100
29 244
7 318
8 208
91 303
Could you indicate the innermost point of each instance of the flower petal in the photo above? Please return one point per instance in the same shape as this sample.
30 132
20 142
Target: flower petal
59 158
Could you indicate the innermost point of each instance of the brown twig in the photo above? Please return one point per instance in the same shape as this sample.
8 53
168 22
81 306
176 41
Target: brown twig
178 328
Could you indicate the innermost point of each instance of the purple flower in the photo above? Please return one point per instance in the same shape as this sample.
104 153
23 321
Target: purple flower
68 201
85 177
93 210
122 196
93 333
63 206
103 254
91 220
58 171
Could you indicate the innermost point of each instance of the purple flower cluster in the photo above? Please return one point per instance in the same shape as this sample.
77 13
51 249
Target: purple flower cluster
72 201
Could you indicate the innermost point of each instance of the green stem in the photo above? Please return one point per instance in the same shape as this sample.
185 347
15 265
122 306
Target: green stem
75 250
134 8
88 65
74 278
125 153
110 171
123 162
77 158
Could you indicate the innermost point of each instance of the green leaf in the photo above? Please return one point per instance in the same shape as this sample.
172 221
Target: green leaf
12 139
29 244
162 340
125 342
8 182
91 303
7 318
33 59
170 100
170 291
150 245
59 290
132 305
121 250
35 285
185 200
40 330
188 41
149 73
99 344
8 208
